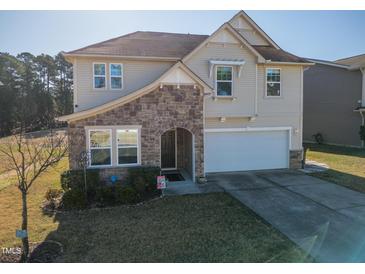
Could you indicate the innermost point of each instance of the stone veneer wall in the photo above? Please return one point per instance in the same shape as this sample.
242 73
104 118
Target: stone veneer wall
156 112
296 157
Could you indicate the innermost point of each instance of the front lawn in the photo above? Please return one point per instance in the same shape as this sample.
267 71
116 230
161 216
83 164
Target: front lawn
192 228
347 165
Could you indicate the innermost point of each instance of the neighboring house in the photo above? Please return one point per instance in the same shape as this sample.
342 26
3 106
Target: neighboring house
230 101
334 100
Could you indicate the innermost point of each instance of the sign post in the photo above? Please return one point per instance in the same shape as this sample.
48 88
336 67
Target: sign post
161 183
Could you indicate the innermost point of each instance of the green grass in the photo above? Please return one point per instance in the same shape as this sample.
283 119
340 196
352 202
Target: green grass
192 228
347 165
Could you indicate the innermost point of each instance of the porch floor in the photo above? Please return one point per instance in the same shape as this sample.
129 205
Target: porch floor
189 187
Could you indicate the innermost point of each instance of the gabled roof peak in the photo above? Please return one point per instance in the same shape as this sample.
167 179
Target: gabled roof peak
251 22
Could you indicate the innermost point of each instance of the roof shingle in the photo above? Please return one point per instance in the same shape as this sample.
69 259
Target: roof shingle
168 45
145 44
279 55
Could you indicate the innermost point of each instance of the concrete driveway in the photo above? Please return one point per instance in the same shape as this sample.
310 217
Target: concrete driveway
326 220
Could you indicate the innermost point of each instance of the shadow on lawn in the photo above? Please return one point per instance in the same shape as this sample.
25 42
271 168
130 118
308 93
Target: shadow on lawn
340 150
192 228
341 178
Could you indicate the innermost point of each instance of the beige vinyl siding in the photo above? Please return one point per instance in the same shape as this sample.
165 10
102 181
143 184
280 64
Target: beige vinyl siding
253 37
285 111
136 74
243 87
290 92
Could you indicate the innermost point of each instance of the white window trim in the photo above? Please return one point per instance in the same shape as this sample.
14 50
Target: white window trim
89 148
121 76
266 82
99 63
227 81
138 146
114 144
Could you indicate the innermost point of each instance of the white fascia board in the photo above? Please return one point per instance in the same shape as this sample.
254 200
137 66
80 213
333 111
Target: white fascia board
322 62
244 129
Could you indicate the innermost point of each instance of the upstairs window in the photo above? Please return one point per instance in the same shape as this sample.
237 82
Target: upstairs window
224 81
116 71
100 145
99 72
273 82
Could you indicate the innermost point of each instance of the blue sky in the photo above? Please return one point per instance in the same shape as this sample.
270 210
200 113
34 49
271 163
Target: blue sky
325 35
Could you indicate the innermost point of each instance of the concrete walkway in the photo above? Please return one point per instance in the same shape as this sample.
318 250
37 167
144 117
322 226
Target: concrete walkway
189 187
326 220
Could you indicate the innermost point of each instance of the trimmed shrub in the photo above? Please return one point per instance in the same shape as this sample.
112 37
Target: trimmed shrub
140 184
74 179
105 195
74 199
143 179
318 137
126 195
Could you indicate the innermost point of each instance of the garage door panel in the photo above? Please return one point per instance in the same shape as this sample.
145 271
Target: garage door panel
236 151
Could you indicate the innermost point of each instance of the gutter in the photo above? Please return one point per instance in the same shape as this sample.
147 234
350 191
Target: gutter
288 63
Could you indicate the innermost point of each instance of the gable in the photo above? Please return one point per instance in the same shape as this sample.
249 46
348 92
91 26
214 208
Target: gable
243 24
178 76
224 36
248 31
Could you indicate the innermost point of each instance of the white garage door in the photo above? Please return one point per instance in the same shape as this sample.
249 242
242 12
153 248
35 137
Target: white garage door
248 150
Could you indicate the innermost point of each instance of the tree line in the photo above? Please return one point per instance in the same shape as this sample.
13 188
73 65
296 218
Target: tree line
33 91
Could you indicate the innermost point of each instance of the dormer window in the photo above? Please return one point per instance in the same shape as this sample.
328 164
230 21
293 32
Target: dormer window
99 72
224 81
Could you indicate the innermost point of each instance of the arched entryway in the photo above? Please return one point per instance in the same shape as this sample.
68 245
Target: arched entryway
177 152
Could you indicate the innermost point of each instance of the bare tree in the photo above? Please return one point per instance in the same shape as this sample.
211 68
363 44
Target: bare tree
29 157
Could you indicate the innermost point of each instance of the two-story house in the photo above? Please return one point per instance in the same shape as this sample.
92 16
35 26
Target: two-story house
230 101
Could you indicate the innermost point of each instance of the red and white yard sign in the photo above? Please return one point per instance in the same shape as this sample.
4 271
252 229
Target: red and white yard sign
161 182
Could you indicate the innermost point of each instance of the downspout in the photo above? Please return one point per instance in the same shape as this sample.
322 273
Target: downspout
256 94
363 87
362 100
362 123
75 94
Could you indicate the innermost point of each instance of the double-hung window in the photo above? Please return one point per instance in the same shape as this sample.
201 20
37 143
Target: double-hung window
273 82
224 81
116 76
99 71
127 142
100 144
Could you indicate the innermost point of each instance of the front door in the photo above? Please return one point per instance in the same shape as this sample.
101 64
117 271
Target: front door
168 149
